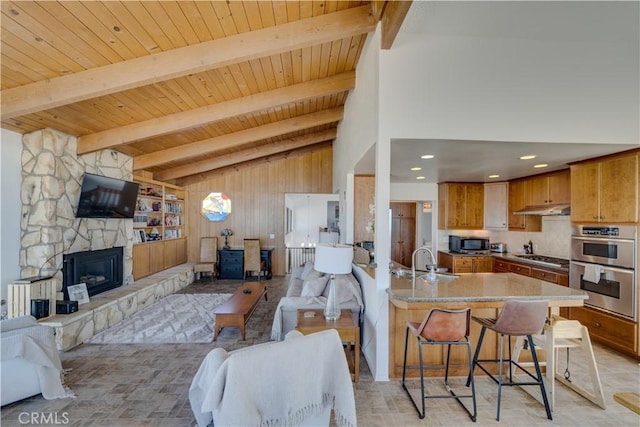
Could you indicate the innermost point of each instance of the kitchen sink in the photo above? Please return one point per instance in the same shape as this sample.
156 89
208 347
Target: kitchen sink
442 277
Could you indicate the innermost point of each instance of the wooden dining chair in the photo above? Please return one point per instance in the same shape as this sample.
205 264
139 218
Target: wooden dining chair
252 259
208 257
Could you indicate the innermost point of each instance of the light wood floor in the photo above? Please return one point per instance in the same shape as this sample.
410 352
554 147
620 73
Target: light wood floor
140 385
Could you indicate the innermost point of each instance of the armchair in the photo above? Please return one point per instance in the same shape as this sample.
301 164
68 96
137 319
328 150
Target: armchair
29 362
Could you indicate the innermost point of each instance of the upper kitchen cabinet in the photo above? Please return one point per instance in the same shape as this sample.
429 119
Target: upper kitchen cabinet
605 190
460 206
495 205
549 189
403 210
517 198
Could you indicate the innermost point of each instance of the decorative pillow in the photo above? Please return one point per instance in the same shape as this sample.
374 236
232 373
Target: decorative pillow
314 287
347 289
308 268
296 273
295 287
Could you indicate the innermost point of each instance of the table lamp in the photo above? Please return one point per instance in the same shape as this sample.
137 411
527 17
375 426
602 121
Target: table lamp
333 259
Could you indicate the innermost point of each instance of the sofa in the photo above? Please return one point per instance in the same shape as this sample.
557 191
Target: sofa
308 289
29 361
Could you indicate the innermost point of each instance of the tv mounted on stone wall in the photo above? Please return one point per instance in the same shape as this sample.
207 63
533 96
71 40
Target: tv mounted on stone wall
105 197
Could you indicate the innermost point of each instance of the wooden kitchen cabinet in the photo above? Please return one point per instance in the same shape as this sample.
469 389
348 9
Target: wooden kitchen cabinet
517 200
403 232
461 206
615 332
503 266
496 205
605 190
465 263
403 210
549 189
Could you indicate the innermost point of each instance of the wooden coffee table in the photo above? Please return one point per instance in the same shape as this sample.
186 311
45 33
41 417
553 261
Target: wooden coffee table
237 310
347 329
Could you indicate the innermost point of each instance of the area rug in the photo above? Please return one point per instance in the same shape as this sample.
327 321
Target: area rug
178 318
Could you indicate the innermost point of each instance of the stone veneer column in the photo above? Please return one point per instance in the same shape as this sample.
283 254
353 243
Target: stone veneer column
51 180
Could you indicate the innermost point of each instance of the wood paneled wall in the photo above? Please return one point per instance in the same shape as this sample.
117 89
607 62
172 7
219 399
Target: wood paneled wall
257 200
364 195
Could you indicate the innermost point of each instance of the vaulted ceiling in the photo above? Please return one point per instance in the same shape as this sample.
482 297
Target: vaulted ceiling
188 88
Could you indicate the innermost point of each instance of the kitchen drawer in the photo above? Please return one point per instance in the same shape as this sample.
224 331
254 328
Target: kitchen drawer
547 276
618 333
520 269
500 266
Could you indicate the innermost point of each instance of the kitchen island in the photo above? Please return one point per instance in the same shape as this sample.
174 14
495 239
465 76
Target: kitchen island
484 293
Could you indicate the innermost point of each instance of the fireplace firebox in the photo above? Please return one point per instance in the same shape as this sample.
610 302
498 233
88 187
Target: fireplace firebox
101 270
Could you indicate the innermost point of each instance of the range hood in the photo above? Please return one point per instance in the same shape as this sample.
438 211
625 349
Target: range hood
545 210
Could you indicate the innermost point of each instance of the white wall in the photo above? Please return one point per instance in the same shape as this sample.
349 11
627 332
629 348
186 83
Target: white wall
357 133
10 205
511 89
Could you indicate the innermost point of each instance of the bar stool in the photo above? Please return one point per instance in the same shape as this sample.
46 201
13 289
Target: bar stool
441 327
517 318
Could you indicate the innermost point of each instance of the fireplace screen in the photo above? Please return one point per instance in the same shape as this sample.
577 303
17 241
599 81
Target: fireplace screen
101 270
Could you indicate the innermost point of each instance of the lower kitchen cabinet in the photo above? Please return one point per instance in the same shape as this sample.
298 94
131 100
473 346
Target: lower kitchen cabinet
615 332
465 263
503 266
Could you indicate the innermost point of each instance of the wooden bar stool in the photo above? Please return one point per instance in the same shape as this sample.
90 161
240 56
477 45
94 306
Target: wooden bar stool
441 327
517 318
563 333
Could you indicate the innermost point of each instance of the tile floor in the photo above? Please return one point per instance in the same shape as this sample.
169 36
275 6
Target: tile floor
147 385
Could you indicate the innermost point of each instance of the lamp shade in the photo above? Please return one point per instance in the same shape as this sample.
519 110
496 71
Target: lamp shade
334 259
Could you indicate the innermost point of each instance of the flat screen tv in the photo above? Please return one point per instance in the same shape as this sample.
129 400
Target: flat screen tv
104 197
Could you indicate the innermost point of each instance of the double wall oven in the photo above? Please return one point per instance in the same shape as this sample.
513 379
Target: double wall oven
604 265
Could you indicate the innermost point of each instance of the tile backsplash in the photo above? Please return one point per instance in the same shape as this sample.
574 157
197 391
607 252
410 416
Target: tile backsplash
553 240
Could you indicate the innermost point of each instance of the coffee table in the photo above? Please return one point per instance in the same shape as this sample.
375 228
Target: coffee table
237 310
348 330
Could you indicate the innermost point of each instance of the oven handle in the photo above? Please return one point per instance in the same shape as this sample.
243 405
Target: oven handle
605 267
603 239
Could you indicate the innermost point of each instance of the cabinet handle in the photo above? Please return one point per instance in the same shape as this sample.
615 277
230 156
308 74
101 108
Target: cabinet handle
598 324
595 216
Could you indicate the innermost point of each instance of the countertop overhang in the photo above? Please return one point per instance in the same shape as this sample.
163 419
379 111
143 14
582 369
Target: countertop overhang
480 290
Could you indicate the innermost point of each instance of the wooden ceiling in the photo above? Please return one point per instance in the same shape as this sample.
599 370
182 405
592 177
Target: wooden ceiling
188 88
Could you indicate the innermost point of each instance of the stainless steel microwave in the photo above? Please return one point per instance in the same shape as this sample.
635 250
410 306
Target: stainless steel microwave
468 245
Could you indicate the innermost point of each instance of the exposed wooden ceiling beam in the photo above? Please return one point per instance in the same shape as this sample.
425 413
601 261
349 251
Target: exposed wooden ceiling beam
246 155
392 19
193 179
83 85
210 145
188 119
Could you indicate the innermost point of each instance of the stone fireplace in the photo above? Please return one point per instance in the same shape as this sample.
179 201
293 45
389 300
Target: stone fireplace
101 270
51 180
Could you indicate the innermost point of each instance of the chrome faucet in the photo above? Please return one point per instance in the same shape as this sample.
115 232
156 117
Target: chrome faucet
413 262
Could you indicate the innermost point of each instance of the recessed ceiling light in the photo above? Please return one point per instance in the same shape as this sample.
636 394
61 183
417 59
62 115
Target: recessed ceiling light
427 156
527 157
540 165
494 176
416 169
420 177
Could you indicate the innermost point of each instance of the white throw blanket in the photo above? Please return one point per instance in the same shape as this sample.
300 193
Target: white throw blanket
273 384
37 345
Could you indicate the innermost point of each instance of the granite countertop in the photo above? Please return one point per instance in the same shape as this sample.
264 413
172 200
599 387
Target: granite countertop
482 287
